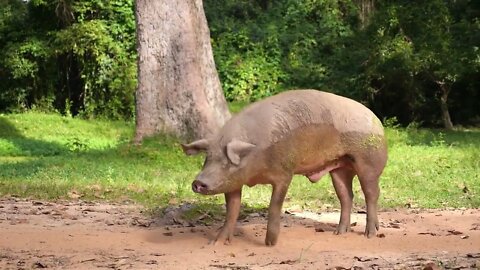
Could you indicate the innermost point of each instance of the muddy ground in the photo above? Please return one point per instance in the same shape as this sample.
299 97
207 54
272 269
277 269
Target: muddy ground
81 235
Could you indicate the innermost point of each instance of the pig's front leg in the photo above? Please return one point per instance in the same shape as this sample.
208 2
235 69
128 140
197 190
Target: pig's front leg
274 211
233 201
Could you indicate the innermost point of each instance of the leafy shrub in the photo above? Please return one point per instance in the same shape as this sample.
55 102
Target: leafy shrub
249 73
78 55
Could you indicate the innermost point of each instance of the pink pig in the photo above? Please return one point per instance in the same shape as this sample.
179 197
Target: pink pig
306 132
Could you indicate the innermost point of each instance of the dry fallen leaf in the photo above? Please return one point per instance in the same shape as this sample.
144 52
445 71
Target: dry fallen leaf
473 255
95 187
475 227
19 221
428 233
411 205
464 188
109 222
99 195
454 232
39 265
141 222
431 266
394 224
289 262
73 194
135 188
294 209
360 259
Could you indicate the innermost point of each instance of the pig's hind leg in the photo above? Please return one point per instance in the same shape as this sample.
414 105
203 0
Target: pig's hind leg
233 203
371 190
369 166
342 181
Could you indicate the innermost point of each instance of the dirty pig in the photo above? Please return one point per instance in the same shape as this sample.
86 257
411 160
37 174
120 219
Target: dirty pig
305 132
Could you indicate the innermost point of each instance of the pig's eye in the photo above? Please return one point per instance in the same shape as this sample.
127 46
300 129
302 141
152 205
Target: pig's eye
225 163
205 163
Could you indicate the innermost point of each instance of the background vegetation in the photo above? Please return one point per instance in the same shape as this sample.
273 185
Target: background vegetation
398 57
74 57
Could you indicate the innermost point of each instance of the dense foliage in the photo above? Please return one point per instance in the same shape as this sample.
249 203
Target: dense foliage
77 57
401 58
411 60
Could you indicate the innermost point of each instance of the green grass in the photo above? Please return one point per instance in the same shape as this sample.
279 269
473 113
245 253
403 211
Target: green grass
237 106
47 156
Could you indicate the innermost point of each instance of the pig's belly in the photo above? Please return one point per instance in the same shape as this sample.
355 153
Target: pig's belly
316 170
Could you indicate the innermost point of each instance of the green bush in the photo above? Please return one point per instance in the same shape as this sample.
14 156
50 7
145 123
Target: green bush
77 56
250 72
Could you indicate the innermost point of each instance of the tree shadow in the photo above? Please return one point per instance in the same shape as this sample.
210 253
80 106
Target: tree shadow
24 152
22 157
19 145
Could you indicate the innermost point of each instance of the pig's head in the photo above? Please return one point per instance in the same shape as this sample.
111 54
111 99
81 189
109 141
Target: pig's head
225 168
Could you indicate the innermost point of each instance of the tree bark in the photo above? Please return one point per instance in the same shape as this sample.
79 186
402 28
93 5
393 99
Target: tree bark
366 8
179 92
445 90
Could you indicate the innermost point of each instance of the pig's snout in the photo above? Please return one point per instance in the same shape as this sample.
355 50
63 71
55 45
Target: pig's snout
199 187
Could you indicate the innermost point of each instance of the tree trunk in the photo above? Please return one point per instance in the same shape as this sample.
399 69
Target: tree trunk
179 92
447 121
366 8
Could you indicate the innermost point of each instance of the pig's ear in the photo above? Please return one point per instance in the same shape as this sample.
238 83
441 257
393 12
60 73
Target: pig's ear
195 147
237 149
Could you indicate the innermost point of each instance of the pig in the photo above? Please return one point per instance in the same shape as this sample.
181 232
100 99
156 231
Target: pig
304 132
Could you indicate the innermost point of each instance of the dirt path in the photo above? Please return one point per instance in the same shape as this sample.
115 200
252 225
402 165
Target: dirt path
79 235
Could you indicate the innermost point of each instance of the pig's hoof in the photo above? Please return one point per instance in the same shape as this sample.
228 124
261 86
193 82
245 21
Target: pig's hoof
224 236
341 230
370 233
271 241
371 229
226 241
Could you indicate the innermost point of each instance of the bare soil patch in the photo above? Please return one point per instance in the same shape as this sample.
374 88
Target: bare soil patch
81 235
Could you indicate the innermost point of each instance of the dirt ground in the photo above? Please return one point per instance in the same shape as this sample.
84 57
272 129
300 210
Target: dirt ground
81 235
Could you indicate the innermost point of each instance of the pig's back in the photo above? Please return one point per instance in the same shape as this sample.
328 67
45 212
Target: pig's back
269 120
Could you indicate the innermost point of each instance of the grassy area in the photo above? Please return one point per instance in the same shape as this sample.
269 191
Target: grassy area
49 157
